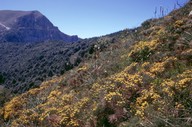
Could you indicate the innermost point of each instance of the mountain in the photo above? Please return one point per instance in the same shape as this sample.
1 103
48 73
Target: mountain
29 26
140 77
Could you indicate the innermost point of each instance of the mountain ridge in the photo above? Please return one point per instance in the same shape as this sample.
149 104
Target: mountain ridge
29 26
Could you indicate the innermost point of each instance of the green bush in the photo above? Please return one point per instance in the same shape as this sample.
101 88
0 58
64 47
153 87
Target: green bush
142 55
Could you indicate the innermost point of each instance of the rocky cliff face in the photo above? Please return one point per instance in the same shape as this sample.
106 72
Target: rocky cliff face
29 26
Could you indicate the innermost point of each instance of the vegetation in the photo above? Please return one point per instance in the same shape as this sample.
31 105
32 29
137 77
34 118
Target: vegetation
131 81
2 79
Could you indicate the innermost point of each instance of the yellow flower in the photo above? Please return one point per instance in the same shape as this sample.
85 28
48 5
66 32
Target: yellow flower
179 106
83 68
178 23
184 82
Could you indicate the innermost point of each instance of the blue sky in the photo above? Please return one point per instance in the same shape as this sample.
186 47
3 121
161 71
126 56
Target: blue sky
89 18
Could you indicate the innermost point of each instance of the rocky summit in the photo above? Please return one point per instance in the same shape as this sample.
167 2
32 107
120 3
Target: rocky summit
29 26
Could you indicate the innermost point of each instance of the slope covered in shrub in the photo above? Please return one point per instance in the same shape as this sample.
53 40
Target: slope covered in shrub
145 81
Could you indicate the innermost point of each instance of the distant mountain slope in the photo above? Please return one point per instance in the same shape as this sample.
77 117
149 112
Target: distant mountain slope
23 66
29 26
26 65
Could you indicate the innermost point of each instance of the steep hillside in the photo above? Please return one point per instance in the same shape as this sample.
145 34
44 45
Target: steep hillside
27 65
29 26
23 66
144 79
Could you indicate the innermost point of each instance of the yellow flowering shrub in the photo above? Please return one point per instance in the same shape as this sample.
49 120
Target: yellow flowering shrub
14 107
147 97
146 65
116 97
179 106
185 80
156 31
142 44
167 87
70 114
160 67
161 31
128 80
178 23
183 83
54 94
143 50
83 68
26 118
